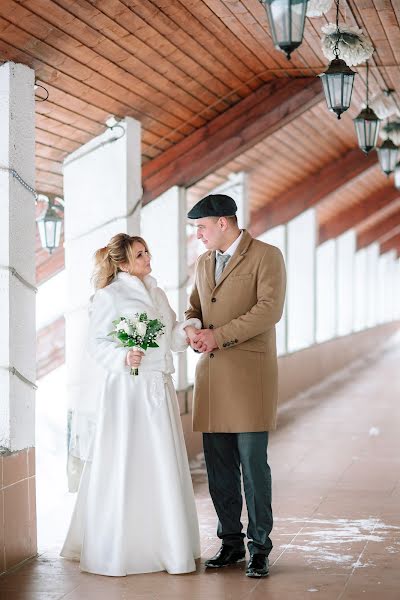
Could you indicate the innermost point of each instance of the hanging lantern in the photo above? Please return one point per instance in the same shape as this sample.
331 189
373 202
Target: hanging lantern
367 128
338 82
367 125
397 176
286 20
387 155
338 79
50 225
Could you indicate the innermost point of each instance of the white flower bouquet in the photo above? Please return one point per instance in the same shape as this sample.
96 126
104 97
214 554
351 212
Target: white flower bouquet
137 333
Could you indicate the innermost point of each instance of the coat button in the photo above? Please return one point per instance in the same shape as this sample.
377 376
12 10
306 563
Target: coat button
236 341
213 299
224 345
211 326
211 355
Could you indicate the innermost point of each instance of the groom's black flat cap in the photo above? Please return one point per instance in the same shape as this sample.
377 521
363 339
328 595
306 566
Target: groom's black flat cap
214 205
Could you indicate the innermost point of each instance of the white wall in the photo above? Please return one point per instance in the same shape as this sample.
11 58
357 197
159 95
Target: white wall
326 297
360 290
345 250
372 252
301 235
277 237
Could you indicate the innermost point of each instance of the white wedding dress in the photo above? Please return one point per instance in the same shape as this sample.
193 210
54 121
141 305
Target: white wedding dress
135 510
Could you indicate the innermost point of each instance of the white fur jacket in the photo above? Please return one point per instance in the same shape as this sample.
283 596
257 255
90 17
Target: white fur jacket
124 297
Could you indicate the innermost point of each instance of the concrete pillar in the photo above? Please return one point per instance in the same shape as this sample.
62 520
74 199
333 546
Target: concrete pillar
372 283
301 289
345 251
102 192
278 237
17 314
163 226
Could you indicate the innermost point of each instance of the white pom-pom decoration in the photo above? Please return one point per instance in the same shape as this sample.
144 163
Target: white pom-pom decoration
384 105
316 8
354 47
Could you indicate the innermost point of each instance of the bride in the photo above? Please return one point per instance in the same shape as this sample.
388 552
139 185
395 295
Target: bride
135 509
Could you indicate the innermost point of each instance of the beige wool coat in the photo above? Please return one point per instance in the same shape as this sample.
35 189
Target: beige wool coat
236 385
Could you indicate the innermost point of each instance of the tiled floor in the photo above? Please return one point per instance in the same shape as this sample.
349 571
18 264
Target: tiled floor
336 467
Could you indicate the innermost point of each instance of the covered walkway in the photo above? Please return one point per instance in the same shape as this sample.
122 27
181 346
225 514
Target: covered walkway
335 460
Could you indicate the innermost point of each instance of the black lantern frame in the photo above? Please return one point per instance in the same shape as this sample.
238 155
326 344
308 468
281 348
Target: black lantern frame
50 226
388 153
338 79
286 20
367 124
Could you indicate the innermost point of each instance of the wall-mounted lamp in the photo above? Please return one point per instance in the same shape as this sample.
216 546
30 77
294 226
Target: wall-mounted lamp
50 223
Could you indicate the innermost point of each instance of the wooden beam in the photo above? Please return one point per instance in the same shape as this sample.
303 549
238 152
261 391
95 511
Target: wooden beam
231 133
354 215
393 243
389 234
379 232
311 190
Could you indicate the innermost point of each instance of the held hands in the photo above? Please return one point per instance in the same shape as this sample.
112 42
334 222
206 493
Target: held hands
202 340
134 358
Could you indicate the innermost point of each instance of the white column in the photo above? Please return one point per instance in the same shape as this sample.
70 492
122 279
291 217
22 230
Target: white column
277 237
345 250
384 286
102 192
301 234
326 309
372 283
163 226
360 290
17 252
390 285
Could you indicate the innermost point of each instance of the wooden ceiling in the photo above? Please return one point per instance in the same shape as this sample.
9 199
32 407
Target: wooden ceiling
188 70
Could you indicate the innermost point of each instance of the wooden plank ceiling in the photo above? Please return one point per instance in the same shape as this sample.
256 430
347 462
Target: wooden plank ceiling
179 67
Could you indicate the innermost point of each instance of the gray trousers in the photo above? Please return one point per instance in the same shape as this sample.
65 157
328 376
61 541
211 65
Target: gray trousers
225 453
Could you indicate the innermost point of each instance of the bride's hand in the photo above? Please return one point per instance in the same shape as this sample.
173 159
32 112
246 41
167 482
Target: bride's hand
134 357
191 335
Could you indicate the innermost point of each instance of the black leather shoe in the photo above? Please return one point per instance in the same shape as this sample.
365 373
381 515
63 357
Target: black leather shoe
258 566
227 555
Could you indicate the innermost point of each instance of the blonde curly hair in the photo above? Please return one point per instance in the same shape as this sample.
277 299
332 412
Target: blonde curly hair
108 260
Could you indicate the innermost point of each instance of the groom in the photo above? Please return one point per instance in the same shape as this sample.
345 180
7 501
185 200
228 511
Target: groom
238 295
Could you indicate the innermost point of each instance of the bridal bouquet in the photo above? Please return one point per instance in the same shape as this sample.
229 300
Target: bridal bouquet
137 333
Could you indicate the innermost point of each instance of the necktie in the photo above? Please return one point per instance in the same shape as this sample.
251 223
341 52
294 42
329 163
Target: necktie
221 262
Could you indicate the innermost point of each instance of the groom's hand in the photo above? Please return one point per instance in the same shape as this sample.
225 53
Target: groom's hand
206 340
192 333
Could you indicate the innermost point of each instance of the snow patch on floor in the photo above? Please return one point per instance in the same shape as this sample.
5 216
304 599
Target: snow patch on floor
327 541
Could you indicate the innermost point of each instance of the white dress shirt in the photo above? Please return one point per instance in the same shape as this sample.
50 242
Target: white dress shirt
231 250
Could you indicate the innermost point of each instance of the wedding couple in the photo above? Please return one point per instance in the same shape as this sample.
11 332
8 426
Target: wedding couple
135 510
